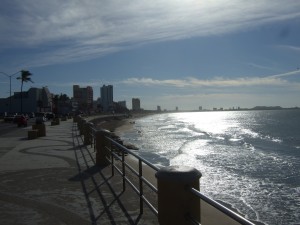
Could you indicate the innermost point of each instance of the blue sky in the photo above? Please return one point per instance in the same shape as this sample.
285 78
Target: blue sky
213 53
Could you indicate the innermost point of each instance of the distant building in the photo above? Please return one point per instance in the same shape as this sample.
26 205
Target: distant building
34 100
107 98
122 104
136 104
200 108
158 108
62 104
120 107
176 109
83 97
98 105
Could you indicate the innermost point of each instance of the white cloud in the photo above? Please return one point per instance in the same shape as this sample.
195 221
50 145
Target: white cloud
287 74
192 82
86 29
290 47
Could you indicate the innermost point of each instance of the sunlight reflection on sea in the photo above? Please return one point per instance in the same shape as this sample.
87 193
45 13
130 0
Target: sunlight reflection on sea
248 159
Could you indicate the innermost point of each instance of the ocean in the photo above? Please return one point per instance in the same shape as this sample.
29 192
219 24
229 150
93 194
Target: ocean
248 159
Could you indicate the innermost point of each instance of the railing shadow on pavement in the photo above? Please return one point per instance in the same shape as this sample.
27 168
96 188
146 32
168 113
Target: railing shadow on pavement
103 197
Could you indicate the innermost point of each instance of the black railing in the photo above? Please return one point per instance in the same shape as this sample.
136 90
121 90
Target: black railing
118 152
238 218
115 156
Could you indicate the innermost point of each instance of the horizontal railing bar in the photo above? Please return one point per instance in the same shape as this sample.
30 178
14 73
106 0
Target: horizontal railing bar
222 208
132 153
143 178
153 209
114 154
149 184
131 169
143 197
137 174
108 159
132 185
137 190
118 170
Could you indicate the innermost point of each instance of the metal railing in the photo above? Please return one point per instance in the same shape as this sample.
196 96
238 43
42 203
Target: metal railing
116 159
238 218
118 152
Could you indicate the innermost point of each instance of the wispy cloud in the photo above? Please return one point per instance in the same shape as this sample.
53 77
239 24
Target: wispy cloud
73 30
287 74
274 80
289 47
255 65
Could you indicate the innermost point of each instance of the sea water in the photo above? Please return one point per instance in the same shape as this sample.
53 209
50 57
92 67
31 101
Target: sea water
248 159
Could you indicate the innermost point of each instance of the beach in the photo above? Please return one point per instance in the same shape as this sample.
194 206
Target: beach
109 122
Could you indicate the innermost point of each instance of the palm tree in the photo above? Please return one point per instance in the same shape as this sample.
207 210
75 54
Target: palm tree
25 77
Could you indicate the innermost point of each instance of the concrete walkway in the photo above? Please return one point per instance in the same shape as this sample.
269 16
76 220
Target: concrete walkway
54 180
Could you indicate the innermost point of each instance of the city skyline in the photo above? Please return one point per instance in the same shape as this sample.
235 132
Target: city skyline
168 53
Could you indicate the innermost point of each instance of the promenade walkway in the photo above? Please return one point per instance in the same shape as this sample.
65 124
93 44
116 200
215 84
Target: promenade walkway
54 180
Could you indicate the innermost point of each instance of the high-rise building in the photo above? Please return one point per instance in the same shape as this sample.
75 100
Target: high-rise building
107 97
83 97
136 104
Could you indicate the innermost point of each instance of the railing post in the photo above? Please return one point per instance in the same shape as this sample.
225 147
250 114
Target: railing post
101 153
81 125
57 121
175 202
75 118
87 133
79 120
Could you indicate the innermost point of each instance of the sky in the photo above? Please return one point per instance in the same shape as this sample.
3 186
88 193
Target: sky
171 53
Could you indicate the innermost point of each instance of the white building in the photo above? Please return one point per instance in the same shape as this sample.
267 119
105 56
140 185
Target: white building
136 104
33 100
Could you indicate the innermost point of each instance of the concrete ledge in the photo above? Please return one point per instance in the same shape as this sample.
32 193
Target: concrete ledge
32 134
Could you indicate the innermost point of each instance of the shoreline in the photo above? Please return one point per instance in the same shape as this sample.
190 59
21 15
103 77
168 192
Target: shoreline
117 125
110 123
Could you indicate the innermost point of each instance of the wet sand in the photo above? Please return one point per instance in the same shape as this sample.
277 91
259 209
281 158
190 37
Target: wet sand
110 123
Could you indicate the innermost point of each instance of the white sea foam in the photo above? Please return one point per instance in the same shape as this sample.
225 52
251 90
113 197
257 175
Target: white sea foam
243 160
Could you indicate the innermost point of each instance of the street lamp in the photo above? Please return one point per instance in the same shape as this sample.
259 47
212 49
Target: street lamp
9 76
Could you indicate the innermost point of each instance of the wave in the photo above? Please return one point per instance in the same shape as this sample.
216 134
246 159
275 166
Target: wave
246 158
